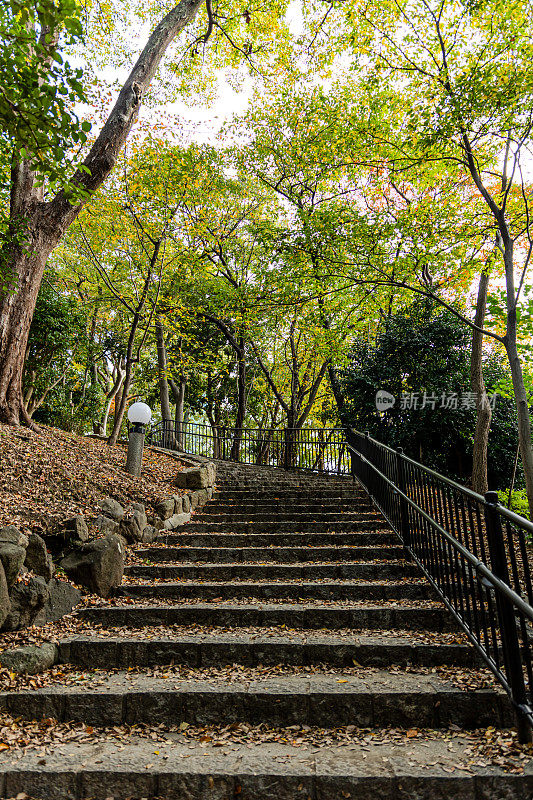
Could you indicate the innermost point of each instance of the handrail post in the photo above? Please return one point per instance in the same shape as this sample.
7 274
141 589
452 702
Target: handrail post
404 511
511 645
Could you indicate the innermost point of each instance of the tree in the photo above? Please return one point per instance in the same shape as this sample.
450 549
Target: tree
37 221
422 353
467 81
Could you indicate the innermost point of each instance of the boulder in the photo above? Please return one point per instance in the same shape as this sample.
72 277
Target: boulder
12 557
38 559
165 508
185 504
63 597
196 477
97 565
112 508
70 533
103 524
198 498
76 528
12 535
133 525
149 534
27 601
5 603
178 504
175 521
30 659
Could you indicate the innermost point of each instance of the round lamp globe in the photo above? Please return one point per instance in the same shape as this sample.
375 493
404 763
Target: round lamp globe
139 414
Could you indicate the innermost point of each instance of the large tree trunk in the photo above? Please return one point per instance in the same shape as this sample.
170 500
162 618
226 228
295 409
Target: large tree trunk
26 265
483 408
42 224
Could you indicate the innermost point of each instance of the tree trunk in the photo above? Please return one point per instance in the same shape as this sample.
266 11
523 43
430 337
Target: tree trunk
524 423
162 367
483 408
114 393
241 401
26 265
178 392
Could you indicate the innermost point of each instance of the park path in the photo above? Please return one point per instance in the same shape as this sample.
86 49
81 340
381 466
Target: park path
286 605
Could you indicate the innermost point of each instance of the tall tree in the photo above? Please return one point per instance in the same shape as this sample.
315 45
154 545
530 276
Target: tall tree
37 221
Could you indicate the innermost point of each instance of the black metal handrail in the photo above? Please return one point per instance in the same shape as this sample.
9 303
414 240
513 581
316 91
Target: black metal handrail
473 551
316 449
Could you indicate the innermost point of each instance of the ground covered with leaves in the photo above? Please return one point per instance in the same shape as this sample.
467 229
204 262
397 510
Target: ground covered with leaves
52 475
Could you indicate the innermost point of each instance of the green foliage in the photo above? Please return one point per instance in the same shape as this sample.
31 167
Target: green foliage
57 347
39 87
519 503
423 350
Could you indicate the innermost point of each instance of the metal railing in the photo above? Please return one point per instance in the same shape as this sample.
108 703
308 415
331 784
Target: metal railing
473 551
317 449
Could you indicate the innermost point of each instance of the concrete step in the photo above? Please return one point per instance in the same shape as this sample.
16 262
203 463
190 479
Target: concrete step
261 506
268 494
373 699
335 590
355 570
187 539
207 767
273 526
219 555
218 647
273 515
310 617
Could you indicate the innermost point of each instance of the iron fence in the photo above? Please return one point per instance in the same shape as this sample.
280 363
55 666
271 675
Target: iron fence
316 449
474 552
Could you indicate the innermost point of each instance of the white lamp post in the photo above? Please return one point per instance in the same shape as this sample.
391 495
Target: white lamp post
139 414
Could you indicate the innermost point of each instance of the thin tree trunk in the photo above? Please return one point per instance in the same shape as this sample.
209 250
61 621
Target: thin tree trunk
483 408
114 393
178 393
241 401
162 368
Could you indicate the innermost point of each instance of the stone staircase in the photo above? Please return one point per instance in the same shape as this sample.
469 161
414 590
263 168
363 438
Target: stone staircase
281 646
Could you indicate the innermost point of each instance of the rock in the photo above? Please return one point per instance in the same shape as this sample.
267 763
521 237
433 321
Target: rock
69 533
198 498
209 491
133 525
165 508
185 504
12 557
38 559
149 534
103 524
97 565
30 659
76 528
63 597
27 601
112 508
175 521
12 535
178 504
5 603
196 477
